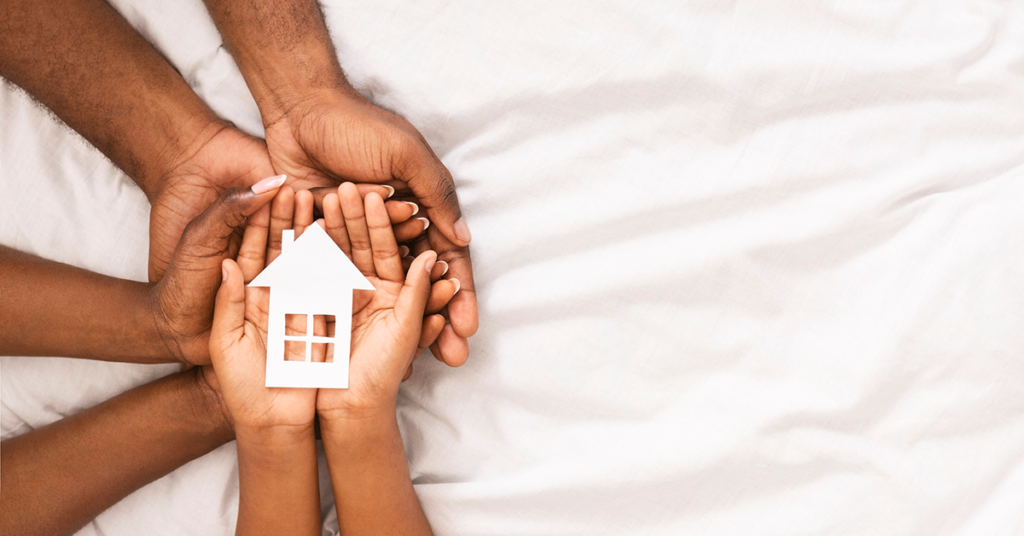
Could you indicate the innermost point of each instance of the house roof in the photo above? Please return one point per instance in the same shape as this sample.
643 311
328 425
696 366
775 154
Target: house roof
312 261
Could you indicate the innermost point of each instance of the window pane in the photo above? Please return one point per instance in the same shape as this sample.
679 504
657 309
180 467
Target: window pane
323 325
294 350
323 352
295 324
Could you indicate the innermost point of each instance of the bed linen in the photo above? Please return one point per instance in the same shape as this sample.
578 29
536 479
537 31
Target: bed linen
743 267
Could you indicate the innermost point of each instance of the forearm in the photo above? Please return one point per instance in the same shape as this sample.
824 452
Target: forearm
53 309
57 478
82 60
279 490
283 49
370 476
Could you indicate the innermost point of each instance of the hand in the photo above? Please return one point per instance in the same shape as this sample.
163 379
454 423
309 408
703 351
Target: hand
222 157
183 300
239 334
334 135
388 325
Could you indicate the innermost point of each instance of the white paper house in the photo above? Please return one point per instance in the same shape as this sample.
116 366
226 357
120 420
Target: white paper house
312 276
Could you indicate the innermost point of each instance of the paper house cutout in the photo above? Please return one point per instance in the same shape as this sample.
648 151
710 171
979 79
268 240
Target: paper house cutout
312 276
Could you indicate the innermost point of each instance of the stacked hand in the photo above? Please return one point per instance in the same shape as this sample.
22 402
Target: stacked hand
334 136
318 145
388 328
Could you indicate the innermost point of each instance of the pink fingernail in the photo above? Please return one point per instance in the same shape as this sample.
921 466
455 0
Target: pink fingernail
426 223
430 264
268 184
403 251
415 207
462 230
391 191
458 285
445 268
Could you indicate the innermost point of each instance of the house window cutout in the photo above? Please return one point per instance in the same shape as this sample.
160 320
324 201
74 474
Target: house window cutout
309 325
306 337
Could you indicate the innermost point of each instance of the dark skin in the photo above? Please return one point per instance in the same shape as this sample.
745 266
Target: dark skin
83 61
150 322
318 127
59 477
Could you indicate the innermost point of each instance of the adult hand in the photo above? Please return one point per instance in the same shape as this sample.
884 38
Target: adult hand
221 157
337 135
183 299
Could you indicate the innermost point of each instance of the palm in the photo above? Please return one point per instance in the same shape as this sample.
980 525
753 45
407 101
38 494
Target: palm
228 159
244 380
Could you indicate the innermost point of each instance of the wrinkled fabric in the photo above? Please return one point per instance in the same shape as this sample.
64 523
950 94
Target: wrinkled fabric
743 267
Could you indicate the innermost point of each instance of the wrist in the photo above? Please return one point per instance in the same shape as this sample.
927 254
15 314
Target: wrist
276 439
165 336
181 130
289 107
207 403
357 427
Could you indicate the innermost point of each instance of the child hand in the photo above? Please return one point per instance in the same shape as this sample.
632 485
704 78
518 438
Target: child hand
238 337
387 324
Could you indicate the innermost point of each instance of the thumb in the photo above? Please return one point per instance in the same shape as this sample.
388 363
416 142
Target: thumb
412 299
227 215
228 310
433 186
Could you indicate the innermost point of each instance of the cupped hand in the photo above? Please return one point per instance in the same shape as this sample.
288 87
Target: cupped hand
341 136
222 157
388 324
238 342
182 302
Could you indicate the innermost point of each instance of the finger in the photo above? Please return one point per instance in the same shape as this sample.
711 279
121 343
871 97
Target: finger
282 213
440 268
216 234
431 330
450 348
358 234
334 223
407 262
419 245
303 211
408 373
462 311
432 184
409 230
226 216
400 211
413 296
253 251
386 260
229 306
440 294
321 193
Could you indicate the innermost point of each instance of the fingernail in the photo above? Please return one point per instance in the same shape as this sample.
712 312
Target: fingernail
223 272
445 267
391 192
430 264
268 184
403 251
415 207
426 223
462 230
458 285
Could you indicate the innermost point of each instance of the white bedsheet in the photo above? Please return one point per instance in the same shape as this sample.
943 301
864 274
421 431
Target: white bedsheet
743 267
